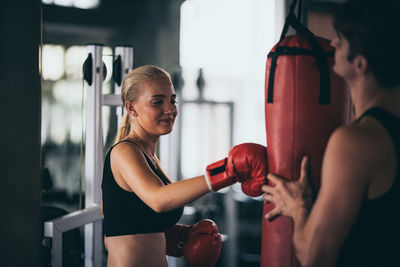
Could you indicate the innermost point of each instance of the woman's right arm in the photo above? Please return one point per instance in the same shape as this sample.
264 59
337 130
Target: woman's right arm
131 170
246 163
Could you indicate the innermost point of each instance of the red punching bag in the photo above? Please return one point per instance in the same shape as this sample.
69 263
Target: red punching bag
304 102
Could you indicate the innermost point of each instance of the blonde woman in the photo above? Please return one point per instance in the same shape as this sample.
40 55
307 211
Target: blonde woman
140 203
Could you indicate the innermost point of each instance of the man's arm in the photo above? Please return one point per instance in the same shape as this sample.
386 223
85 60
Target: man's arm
344 179
347 168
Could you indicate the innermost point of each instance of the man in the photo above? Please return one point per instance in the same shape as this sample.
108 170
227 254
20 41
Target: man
354 220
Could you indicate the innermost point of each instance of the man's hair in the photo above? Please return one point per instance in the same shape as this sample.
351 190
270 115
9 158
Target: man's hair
372 29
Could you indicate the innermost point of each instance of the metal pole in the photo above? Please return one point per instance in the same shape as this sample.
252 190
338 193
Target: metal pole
94 155
125 56
231 207
56 259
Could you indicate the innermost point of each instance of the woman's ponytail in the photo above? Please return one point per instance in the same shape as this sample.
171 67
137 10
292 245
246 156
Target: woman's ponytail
124 128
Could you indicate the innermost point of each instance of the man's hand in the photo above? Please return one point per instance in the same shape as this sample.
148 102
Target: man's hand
290 197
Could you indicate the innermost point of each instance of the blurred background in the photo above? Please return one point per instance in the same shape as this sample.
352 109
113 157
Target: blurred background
215 50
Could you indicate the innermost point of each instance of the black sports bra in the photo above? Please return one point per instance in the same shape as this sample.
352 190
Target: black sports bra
125 213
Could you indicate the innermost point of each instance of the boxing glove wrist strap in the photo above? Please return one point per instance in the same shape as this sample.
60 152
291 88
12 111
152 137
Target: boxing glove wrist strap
207 178
217 176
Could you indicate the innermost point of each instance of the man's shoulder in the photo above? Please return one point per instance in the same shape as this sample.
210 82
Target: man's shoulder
368 134
364 143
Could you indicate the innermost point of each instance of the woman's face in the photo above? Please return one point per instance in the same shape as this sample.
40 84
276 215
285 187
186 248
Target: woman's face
156 106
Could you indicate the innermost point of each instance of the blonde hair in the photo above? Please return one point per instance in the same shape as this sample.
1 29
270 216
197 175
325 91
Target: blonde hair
131 91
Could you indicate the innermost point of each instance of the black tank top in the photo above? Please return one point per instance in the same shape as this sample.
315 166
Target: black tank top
125 213
374 240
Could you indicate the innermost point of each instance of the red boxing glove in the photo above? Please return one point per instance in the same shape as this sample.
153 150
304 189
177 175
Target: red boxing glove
175 239
200 244
246 163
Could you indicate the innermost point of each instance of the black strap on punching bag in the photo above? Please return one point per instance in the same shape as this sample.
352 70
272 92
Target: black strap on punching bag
317 52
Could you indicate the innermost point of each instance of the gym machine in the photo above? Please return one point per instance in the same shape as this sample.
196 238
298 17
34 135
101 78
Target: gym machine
90 217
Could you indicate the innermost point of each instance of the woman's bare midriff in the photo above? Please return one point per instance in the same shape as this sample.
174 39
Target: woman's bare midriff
136 250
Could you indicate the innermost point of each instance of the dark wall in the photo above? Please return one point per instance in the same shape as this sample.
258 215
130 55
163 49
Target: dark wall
20 97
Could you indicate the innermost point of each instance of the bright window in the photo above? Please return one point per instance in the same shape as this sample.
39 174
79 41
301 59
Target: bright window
84 4
63 113
229 40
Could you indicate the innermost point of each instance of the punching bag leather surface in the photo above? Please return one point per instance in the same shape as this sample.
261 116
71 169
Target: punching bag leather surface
304 104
